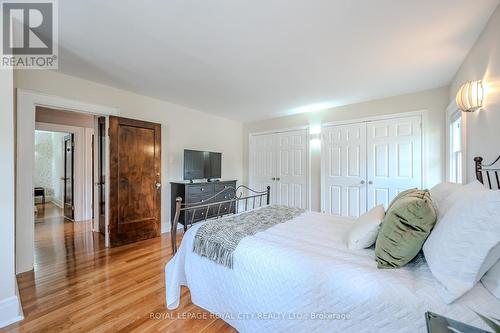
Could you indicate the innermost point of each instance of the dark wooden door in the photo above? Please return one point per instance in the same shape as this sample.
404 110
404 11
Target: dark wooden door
101 160
135 194
69 182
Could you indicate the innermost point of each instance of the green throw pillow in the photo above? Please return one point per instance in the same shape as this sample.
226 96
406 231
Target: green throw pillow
399 196
406 225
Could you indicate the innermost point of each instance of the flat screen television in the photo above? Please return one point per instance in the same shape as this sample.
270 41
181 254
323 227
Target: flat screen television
201 164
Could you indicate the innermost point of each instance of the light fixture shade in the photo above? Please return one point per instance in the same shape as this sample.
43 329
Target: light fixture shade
470 96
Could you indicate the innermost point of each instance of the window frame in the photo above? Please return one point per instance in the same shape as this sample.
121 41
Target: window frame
452 114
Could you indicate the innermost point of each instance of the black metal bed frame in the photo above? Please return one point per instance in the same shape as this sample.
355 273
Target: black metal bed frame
482 169
236 195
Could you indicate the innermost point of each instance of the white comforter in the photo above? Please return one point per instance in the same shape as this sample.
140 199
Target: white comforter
299 276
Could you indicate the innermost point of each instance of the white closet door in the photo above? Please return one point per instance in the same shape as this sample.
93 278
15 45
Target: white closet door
291 176
263 163
343 156
394 150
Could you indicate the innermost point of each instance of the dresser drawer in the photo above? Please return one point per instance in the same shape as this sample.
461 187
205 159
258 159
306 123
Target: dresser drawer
222 186
200 198
224 209
199 214
202 188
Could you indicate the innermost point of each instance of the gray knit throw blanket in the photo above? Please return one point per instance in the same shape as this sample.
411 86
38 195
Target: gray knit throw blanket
217 239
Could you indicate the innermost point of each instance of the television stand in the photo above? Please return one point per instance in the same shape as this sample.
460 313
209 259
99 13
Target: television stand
197 193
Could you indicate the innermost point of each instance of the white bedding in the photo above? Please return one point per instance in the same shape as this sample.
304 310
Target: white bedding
287 276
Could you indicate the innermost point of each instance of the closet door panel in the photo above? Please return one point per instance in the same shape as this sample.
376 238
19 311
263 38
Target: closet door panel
344 169
291 177
394 158
263 164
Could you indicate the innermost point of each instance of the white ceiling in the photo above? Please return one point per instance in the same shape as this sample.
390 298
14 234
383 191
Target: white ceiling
257 59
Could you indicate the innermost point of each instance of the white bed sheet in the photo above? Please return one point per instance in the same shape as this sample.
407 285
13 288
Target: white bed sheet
300 276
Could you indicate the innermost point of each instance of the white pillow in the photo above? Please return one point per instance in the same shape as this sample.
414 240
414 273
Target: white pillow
491 280
365 230
441 193
446 194
465 243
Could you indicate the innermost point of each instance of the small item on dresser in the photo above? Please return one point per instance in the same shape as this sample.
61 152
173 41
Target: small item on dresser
365 230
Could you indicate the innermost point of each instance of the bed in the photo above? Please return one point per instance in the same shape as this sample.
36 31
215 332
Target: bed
300 276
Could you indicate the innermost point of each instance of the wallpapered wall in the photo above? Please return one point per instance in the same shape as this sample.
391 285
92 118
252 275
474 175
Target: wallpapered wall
49 164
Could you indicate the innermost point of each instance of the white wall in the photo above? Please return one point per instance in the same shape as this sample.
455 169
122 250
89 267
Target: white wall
9 303
58 167
181 127
49 165
483 63
434 101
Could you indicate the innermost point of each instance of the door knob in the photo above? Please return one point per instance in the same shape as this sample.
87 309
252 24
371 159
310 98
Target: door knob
362 182
370 182
158 185
274 178
278 178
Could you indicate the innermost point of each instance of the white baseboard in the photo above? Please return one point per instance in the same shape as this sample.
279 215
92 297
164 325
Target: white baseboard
57 202
10 311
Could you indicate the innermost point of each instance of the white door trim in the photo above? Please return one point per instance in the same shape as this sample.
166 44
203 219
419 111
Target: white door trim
27 101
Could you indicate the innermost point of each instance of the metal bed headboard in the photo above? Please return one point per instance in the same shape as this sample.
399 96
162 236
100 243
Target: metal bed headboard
228 196
490 170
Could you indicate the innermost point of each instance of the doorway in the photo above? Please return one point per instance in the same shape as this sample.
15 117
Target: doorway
135 147
27 103
63 182
49 191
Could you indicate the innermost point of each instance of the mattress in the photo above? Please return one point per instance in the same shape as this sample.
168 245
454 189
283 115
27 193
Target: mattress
300 276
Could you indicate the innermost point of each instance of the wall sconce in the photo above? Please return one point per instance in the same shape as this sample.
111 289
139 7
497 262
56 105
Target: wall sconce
470 96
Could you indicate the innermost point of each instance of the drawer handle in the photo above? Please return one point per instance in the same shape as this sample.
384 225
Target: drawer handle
202 213
225 186
202 189
201 200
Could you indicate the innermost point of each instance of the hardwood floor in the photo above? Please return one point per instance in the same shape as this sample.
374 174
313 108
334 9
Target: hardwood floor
78 285
45 212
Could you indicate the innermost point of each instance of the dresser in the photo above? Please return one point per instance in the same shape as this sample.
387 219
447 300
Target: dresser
200 193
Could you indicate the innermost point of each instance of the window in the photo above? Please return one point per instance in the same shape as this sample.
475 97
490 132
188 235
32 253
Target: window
455 153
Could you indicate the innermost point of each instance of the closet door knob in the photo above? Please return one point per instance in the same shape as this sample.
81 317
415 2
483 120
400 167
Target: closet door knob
362 182
274 178
278 179
370 182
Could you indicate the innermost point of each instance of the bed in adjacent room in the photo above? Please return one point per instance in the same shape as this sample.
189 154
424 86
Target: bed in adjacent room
300 275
